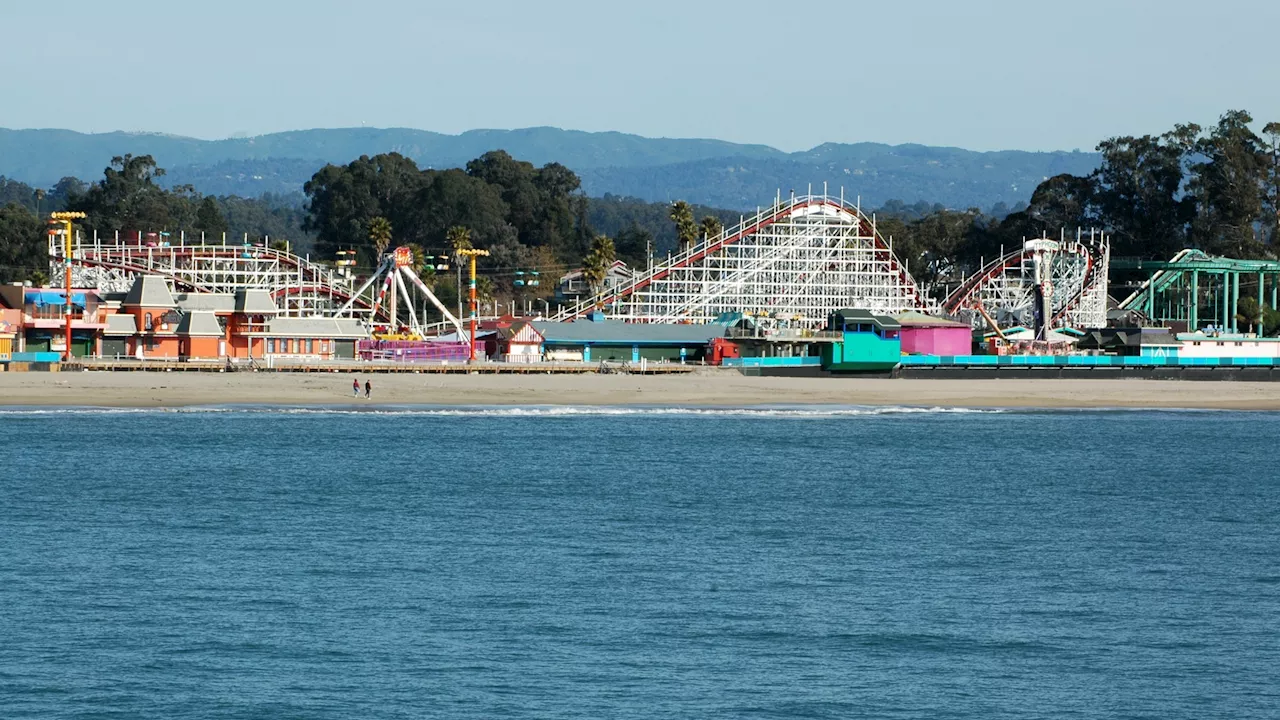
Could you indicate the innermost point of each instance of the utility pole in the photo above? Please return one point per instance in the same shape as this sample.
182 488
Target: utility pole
471 254
65 218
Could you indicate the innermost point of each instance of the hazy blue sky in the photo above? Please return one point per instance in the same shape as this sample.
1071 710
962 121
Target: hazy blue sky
982 74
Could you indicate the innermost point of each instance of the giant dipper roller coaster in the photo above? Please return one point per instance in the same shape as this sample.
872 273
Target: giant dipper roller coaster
803 257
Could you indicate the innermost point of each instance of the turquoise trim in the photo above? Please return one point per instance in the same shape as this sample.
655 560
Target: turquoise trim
1083 361
43 356
772 362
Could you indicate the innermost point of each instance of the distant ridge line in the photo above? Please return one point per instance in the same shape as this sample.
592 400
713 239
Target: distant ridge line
705 171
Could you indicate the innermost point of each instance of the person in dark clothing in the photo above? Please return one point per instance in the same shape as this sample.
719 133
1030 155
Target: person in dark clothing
355 387
368 389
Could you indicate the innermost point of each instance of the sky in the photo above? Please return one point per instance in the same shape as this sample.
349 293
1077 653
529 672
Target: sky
978 74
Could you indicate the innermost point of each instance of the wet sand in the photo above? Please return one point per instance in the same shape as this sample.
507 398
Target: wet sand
712 387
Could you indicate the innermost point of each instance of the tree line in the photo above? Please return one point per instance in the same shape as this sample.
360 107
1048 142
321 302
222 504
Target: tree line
1215 188
526 217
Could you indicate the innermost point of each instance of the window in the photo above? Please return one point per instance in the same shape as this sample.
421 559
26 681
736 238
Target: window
146 322
308 346
271 346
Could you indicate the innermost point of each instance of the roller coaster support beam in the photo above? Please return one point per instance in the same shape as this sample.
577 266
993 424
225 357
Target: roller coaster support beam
372 278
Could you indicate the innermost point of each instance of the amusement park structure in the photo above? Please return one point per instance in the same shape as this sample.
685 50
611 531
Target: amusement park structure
802 258
398 280
1045 284
298 286
1193 286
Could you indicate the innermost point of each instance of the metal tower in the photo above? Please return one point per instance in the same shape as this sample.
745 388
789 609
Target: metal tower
1045 283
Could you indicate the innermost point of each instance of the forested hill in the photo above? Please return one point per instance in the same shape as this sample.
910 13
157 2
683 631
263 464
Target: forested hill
712 172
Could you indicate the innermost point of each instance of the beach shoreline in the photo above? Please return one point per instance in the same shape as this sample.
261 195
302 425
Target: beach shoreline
702 389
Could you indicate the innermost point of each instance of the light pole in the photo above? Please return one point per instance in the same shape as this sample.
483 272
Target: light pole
471 254
65 218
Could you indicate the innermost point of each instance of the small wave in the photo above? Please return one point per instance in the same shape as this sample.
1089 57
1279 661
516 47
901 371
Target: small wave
553 411
772 411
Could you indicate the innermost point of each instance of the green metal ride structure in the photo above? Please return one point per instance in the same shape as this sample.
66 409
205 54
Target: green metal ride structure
1195 289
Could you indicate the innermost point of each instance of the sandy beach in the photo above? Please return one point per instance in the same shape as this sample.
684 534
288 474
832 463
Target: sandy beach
157 389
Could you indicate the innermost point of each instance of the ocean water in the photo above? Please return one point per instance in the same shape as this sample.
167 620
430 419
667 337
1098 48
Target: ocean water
638 563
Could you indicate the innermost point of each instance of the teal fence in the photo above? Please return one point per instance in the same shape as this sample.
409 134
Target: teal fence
35 357
1083 361
772 362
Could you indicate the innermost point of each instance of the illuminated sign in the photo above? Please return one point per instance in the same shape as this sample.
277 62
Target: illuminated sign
404 256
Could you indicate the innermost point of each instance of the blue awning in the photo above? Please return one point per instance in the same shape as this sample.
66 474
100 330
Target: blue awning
43 297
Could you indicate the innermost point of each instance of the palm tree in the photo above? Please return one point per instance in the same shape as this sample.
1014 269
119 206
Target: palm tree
459 239
419 259
380 234
712 227
595 266
686 228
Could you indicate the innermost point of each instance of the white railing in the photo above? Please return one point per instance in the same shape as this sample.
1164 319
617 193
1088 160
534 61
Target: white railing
679 259
778 210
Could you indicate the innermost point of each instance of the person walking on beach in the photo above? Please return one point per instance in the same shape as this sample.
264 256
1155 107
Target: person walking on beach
355 387
368 389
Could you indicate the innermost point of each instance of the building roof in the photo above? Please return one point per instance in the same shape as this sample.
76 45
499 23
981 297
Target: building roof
618 269
118 324
255 302
857 315
215 302
513 331
1224 337
916 319
199 323
621 333
317 327
1134 337
454 337
149 291
1020 334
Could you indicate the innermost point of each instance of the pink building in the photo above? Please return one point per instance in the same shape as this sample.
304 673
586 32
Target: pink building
927 335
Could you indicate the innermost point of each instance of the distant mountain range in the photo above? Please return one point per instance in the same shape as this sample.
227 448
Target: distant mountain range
710 172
